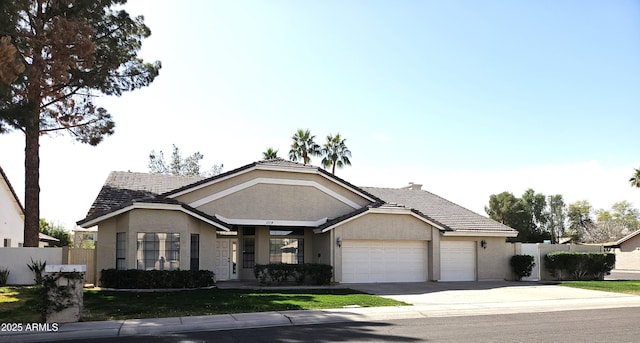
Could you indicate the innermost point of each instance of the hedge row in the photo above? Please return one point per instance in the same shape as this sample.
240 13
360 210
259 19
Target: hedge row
579 265
277 273
148 279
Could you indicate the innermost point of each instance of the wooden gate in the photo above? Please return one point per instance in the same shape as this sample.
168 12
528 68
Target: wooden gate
82 256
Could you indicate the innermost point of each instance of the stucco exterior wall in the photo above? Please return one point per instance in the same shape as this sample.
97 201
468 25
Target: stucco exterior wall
493 262
147 221
278 202
262 245
379 226
207 245
239 198
11 218
321 248
106 245
628 255
434 256
240 179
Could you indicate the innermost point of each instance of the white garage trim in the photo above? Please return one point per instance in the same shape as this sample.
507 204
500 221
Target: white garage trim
365 261
457 260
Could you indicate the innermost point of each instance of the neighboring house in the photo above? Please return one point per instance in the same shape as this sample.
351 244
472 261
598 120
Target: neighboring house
84 237
46 240
278 211
11 215
627 250
12 218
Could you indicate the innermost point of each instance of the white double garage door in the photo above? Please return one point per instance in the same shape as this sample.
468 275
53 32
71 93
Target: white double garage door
365 261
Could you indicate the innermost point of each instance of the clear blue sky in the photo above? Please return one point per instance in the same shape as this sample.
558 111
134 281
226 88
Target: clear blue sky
469 98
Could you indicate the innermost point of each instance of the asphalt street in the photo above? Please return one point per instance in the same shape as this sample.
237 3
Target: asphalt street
607 325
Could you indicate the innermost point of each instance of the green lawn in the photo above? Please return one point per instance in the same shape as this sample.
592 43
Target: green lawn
109 305
626 286
19 305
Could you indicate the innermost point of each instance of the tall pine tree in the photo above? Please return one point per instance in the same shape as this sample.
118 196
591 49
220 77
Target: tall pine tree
73 51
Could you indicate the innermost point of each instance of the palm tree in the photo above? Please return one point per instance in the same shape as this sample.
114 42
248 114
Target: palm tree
335 153
270 154
303 146
635 180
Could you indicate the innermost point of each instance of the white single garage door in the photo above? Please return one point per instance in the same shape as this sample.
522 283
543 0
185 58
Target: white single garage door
457 261
384 261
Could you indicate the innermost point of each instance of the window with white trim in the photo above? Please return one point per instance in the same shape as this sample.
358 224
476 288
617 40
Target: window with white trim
158 250
248 247
121 244
286 245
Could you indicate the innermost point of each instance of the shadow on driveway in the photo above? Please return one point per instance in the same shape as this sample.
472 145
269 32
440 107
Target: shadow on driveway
413 288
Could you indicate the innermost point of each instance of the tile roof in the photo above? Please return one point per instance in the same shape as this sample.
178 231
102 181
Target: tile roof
123 187
285 163
451 216
623 239
276 162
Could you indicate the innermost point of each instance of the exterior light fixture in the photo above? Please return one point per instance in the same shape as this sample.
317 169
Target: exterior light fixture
339 241
483 244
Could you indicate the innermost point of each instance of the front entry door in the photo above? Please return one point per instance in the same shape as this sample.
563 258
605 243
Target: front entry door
226 259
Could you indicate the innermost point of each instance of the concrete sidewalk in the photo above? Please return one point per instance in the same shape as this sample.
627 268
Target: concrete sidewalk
505 299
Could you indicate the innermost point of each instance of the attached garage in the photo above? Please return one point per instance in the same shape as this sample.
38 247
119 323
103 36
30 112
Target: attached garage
457 260
366 261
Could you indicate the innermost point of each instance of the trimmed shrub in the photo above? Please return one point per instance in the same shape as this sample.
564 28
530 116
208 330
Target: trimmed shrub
579 265
522 265
150 279
278 273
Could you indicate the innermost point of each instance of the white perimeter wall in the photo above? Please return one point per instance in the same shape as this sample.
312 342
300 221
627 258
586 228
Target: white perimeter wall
17 259
539 271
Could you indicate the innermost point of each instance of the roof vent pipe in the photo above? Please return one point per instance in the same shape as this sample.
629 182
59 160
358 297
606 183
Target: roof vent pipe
413 186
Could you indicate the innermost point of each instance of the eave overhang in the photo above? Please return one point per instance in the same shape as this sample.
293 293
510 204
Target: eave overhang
89 222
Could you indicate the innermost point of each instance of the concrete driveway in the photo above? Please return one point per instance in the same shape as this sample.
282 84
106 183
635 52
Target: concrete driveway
621 274
499 294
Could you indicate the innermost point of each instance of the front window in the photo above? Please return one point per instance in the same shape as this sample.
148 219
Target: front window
121 240
248 252
248 247
195 251
158 250
286 246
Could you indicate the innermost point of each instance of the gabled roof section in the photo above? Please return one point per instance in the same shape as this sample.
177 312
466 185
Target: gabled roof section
123 187
449 215
623 239
277 164
154 203
46 238
123 191
379 207
11 190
